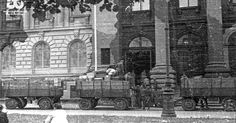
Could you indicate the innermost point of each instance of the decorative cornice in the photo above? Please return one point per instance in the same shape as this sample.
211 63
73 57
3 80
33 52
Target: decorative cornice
228 33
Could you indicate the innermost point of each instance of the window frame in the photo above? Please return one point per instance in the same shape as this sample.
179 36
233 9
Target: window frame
233 2
43 65
10 64
188 6
14 20
78 65
139 9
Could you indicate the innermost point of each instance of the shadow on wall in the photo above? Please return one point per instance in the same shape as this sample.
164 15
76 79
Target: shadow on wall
109 41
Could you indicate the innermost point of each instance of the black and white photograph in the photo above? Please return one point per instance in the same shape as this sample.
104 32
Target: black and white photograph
117 61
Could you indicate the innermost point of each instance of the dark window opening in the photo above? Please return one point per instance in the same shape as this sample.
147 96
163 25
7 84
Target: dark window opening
105 56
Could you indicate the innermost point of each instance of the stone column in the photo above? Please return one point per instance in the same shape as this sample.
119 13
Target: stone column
163 73
159 72
66 17
216 64
26 19
59 18
2 15
31 19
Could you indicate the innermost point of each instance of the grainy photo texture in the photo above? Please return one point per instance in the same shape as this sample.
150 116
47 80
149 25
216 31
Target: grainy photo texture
117 61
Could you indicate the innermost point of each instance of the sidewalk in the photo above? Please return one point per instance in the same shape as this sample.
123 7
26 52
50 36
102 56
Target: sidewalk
153 112
73 109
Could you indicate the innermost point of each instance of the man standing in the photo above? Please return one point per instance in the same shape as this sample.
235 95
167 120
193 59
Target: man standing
3 116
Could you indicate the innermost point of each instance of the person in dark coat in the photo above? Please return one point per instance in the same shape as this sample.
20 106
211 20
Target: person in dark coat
3 116
145 94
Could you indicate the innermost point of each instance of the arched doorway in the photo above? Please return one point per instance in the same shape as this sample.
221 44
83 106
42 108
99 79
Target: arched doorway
139 57
191 55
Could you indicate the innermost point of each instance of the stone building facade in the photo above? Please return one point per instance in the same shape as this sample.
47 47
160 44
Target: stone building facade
200 35
60 48
62 45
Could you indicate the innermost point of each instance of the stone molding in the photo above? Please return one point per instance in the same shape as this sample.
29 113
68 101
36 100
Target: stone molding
228 33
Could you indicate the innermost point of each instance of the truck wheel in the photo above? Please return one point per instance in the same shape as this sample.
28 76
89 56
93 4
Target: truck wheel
120 104
85 104
229 105
11 103
45 103
188 104
21 103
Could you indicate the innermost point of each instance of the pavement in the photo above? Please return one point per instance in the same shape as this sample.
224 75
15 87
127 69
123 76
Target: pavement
73 109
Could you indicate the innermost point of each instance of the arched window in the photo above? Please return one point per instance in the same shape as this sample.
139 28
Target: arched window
9 57
78 56
232 53
140 42
191 55
42 55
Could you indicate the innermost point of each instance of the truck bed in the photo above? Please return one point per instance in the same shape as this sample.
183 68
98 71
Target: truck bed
208 87
29 88
101 88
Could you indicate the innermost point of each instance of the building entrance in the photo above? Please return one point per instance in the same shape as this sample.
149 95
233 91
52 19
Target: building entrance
140 62
139 58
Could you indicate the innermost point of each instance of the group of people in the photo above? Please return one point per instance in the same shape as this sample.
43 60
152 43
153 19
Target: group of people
144 95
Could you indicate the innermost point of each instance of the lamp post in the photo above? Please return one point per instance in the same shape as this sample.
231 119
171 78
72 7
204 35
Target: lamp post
95 36
168 93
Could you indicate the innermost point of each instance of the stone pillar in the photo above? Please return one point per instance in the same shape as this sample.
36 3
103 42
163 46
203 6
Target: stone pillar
159 72
216 64
31 19
2 15
66 17
59 18
163 73
26 19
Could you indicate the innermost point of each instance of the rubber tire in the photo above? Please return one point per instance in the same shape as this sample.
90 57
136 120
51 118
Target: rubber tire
45 103
189 104
120 104
229 104
22 103
85 104
11 103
